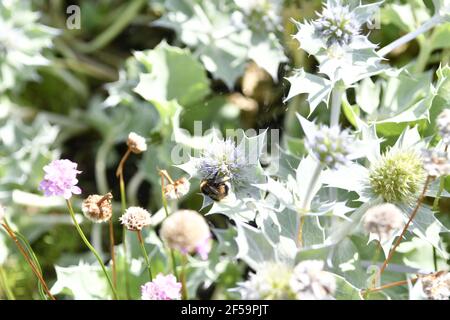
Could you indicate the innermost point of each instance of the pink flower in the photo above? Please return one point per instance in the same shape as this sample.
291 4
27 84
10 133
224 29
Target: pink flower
162 288
204 247
60 179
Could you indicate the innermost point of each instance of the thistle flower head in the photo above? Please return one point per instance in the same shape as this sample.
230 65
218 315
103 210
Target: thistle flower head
437 285
330 146
60 179
311 282
436 163
398 177
177 189
443 124
162 288
187 231
270 282
97 208
136 143
223 159
337 24
135 218
383 220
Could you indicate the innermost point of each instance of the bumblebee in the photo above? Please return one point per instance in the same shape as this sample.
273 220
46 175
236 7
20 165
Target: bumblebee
216 189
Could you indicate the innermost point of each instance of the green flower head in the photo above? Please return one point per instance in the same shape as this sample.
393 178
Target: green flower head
398 177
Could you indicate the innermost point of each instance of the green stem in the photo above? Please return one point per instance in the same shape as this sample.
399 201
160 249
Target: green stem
123 202
166 210
184 291
306 202
87 243
5 284
33 258
115 29
429 24
336 98
144 253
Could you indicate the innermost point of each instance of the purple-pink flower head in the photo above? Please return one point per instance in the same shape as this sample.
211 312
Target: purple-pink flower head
60 179
162 288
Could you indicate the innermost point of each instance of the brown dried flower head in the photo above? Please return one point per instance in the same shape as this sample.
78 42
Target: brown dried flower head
187 231
135 218
177 189
383 220
98 208
436 286
136 143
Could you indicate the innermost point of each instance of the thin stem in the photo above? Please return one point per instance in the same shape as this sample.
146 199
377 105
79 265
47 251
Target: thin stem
87 243
144 253
184 291
123 201
4 280
336 98
113 252
389 285
127 16
306 203
410 36
166 210
405 228
27 258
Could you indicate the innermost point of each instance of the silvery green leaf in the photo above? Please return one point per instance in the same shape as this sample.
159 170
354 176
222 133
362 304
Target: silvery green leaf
368 95
267 52
22 41
427 227
254 247
82 282
345 290
386 244
351 178
345 261
174 74
223 45
234 209
317 88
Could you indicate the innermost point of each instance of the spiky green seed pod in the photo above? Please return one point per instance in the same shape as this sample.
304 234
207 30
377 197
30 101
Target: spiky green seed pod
398 177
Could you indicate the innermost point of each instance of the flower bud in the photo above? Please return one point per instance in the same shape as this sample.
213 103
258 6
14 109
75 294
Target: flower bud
136 143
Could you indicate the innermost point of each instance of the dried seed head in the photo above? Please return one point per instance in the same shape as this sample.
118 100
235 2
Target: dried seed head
398 177
311 282
436 163
98 208
270 282
135 218
383 220
177 189
443 124
187 231
437 285
136 143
